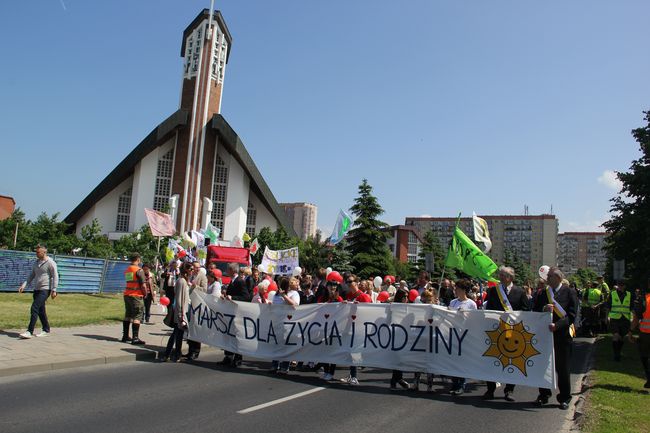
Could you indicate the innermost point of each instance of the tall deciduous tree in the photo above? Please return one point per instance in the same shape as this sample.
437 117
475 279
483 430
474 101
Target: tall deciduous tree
629 225
370 254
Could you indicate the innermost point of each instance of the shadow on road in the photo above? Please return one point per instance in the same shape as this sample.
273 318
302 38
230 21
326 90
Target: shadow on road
9 333
97 337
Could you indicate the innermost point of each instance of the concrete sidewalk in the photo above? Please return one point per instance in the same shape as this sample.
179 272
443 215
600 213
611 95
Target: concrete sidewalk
81 346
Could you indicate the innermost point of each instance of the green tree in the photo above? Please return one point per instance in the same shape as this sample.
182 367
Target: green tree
49 231
142 242
370 254
339 258
628 226
93 243
313 253
431 244
523 274
8 229
583 276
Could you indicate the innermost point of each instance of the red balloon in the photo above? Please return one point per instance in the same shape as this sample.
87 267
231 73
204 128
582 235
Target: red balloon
164 300
413 294
390 279
273 287
217 273
334 276
383 296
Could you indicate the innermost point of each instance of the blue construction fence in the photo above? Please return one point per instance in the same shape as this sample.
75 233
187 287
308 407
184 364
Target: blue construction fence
76 274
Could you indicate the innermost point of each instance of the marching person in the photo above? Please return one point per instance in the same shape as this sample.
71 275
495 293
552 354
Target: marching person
133 301
642 322
237 290
44 279
462 303
505 297
592 301
604 311
563 302
620 305
149 286
181 307
287 294
200 283
355 295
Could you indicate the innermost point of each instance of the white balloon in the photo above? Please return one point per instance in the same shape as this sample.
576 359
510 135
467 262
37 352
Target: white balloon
377 282
543 272
297 271
328 270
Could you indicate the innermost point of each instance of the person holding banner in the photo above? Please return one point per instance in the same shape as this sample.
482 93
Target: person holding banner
287 294
397 378
563 302
237 290
505 297
462 303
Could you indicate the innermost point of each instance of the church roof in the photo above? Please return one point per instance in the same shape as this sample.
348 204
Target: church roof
157 137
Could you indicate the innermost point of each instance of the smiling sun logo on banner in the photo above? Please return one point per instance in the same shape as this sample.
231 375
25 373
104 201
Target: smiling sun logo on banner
512 345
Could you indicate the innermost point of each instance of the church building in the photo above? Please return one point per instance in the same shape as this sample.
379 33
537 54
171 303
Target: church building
192 165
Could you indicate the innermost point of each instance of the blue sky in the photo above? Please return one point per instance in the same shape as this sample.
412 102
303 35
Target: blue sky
445 106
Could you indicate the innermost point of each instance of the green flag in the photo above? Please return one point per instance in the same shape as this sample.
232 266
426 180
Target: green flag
467 257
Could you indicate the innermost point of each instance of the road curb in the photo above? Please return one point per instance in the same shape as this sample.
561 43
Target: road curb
87 362
572 422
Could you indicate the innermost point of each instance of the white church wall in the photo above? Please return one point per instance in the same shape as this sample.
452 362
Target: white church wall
105 210
264 216
236 201
144 184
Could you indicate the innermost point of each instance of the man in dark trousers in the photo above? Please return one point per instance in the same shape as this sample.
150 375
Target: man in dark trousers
563 302
237 290
505 297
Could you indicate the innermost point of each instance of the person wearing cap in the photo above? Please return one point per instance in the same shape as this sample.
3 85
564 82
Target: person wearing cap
214 283
44 279
620 305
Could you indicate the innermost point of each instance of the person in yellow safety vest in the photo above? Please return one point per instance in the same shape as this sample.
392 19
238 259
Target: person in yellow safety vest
133 301
620 313
592 300
642 322
604 311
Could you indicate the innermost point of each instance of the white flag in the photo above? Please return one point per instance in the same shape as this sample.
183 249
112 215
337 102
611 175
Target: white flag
481 232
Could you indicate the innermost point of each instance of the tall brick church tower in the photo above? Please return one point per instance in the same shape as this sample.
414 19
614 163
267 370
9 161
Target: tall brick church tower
206 48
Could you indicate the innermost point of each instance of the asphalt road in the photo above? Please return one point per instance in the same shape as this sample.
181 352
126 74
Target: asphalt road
163 397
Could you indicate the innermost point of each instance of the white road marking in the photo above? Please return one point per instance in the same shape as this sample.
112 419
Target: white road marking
280 400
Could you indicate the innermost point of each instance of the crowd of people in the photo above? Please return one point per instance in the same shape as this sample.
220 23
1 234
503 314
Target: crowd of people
249 284
623 310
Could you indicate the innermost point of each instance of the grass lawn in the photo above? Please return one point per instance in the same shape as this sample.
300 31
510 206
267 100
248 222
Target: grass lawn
66 310
617 401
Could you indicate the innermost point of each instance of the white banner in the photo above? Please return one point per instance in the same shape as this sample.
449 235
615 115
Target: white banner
514 347
280 262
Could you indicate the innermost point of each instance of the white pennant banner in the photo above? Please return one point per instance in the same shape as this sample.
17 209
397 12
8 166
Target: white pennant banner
515 347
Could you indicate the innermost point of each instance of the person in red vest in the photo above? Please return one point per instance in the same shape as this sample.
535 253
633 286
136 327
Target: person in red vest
133 301
642 322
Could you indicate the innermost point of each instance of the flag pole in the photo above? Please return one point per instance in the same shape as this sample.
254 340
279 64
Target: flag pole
444 267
